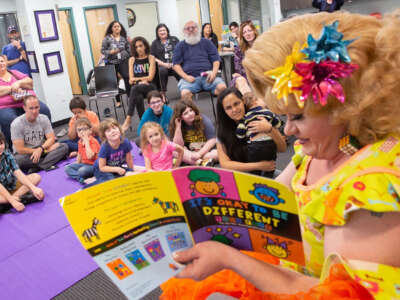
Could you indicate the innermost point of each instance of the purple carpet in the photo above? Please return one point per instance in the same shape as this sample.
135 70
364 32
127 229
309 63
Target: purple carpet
39 254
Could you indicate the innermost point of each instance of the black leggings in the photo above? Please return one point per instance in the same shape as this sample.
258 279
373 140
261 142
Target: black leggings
164 73
136 98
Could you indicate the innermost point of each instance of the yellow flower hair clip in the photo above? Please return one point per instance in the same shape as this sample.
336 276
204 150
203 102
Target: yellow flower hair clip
286 79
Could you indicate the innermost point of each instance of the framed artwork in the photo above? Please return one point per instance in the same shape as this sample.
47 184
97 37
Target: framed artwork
46 25
52 61
32 61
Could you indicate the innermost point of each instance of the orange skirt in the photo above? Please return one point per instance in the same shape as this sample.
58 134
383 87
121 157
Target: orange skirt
339 285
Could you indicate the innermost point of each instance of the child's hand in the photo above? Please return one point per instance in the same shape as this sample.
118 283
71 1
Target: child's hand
121 171
178 122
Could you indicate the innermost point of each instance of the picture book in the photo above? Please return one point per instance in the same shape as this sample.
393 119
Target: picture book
132 225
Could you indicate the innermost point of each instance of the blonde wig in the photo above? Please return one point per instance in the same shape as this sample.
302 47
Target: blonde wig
370 111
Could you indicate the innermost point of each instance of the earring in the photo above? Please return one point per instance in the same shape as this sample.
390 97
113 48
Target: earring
349 145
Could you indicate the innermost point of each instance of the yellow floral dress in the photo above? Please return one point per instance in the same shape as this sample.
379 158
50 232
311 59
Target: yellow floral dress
370 180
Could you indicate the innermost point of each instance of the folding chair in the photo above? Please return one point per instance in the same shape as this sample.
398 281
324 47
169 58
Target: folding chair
106 87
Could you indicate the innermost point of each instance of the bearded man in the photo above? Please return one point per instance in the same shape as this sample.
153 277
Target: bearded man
196 60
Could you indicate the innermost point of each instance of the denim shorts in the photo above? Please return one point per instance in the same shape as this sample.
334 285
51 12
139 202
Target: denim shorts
200 84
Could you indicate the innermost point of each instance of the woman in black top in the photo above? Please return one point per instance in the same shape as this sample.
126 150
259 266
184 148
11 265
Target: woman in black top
142 68
207 33
162 48
116 50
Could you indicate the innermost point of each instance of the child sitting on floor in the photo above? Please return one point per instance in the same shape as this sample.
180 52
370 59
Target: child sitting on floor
88 149
260 146
158 152
78 108
14 184
115 158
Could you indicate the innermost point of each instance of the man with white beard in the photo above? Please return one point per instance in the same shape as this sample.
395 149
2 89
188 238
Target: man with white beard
197 61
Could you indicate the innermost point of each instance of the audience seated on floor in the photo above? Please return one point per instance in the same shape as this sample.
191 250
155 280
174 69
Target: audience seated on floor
34 140
14 85
142 69
197 61
88 149
157 150
78 107
16 188
195 132
162 49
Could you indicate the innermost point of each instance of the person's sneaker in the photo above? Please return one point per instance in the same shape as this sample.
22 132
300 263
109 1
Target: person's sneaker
207 162
28 198
107 112
62 132
51 168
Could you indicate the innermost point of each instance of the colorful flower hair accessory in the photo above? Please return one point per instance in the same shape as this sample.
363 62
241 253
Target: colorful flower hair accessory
286 80
328 46
314 70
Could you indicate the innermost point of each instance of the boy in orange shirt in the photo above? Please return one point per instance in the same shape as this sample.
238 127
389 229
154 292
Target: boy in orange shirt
88 149
78 108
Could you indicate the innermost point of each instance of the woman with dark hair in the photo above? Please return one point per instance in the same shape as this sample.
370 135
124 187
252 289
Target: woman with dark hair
232 151
162 49
207 33
195 132
116 51
142 68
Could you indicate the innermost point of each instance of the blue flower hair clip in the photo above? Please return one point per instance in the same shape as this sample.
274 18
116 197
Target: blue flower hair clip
329 46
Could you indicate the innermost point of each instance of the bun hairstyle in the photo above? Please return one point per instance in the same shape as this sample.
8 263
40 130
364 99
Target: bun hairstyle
370 111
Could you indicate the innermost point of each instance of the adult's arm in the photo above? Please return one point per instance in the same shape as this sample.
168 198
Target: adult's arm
19 146
207 258
178 69
364 229
263 126
105 49
152 70
157 52
287 174
227 163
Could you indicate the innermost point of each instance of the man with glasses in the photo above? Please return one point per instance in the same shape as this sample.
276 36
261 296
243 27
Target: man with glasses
197 61
34 140
157 112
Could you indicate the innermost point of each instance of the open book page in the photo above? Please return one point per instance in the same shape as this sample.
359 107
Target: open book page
131 226
241 210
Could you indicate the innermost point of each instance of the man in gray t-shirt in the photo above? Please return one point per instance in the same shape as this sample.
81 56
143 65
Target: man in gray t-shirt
34 140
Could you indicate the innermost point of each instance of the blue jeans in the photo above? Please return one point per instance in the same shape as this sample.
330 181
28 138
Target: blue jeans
104 176
200 84
79 171
7 115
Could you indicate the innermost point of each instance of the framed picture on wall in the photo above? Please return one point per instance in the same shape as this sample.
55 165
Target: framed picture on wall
52 61
32 61
46 25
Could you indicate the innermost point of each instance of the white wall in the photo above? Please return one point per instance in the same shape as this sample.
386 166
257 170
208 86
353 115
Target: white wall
7 6
186 11
54 90
233 11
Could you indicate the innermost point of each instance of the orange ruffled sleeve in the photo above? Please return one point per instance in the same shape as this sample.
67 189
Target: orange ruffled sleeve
338 285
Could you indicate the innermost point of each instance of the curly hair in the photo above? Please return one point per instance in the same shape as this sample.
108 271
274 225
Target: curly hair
145 44
243 44
370 111
179 108
109 29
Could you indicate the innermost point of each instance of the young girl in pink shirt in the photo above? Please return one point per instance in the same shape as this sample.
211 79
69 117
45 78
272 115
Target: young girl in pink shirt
158 152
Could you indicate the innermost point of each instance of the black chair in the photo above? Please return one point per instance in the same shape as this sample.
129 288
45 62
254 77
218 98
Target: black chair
106 87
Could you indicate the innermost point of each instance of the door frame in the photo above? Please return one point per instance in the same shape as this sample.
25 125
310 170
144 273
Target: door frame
113 6
82 78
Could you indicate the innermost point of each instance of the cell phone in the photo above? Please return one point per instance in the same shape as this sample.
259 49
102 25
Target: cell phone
204 74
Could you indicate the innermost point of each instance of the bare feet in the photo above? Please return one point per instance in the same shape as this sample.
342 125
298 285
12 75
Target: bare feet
125 126
17 205
89 180
73 154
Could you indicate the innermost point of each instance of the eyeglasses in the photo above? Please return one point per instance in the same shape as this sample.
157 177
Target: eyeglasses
82 129
190 28
155 102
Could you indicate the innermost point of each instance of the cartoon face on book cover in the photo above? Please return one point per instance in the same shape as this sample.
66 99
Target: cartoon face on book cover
241 210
